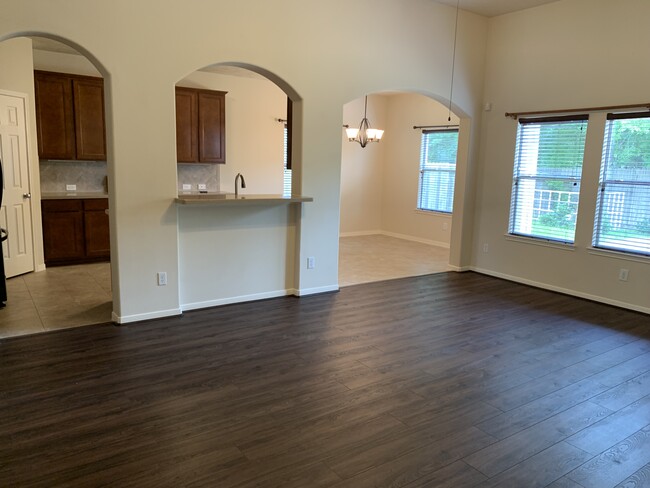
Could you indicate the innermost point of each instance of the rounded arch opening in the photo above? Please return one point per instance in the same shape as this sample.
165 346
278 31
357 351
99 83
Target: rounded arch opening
260 106
398 196
48 178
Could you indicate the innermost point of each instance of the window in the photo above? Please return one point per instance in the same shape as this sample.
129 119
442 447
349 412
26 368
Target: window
623 210
287 171
437 170
546 181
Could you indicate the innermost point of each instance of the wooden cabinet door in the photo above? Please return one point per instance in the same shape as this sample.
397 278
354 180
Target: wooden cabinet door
90 129
187 130
212 127
97 237
63 237
54 116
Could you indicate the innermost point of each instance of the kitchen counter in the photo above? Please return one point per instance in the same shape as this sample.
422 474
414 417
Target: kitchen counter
245 199
73 195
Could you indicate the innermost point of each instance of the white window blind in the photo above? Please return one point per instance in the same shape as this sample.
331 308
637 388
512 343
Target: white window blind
546 181
287 171
438 151
623 211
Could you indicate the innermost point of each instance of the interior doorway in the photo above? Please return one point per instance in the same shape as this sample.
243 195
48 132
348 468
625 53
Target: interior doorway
61 173
396 215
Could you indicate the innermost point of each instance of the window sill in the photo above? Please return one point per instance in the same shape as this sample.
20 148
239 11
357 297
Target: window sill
540 242
433 212
609 253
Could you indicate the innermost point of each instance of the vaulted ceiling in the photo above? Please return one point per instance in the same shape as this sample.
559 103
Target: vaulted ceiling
492 8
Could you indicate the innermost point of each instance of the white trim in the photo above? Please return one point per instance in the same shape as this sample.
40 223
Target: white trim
460 269
237 299
313 291
540 241
360 233
125 319
416 239
396 235
433 213
611 253
565 291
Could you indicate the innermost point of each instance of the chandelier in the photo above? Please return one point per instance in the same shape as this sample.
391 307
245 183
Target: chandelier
365 133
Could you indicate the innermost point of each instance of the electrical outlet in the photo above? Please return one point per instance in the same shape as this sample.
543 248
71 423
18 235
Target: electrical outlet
623 274
162 278
203 186
187 187
445 226
311 262
70 187
485 247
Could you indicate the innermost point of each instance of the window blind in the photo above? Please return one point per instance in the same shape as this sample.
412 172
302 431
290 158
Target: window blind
438 150
546 181
623 209
287 171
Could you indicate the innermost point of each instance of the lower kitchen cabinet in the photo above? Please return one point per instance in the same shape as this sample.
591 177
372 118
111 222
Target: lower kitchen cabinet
75 231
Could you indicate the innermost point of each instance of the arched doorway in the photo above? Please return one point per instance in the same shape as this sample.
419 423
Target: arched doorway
262 241
69 194
397 194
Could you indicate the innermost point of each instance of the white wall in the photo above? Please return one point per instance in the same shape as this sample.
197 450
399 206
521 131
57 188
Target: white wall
379 183
142 57
17 75
567 54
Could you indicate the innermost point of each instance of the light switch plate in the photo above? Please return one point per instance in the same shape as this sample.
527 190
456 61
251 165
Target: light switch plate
203 186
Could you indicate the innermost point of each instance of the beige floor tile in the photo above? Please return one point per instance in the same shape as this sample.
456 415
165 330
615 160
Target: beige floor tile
60 297
363 259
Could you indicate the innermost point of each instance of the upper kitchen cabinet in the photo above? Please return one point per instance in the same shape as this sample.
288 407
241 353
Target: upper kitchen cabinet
200 126
70 116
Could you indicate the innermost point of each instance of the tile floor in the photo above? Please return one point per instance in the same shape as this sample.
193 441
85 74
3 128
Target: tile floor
60 297
71 296
363 259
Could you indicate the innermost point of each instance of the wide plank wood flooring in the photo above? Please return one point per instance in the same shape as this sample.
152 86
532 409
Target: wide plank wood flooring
445 380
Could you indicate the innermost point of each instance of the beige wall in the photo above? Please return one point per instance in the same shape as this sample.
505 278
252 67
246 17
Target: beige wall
568 54
362 171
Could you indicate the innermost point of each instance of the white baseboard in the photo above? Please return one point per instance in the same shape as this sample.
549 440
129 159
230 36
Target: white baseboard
416 239
125 319
236 299
312 291
565 291
360 233
396 235
461 269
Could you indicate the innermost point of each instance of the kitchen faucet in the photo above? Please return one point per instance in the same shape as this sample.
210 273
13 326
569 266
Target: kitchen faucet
243 183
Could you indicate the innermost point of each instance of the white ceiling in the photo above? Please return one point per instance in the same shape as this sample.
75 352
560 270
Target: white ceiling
492 8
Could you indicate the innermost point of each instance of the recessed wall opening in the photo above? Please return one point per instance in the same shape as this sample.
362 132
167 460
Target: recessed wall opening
58 251
397 194
233 137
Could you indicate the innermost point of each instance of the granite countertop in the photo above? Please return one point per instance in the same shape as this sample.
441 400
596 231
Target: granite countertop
242 199
72 195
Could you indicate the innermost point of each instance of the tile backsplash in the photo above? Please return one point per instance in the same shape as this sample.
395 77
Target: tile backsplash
195 174
89 176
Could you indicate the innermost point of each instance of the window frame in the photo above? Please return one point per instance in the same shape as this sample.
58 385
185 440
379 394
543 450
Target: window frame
422 171
514 219
604 182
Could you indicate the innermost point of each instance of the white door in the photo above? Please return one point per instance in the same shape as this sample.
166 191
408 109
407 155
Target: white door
16 211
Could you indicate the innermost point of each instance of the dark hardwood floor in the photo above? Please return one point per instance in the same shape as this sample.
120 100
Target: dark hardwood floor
447 380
